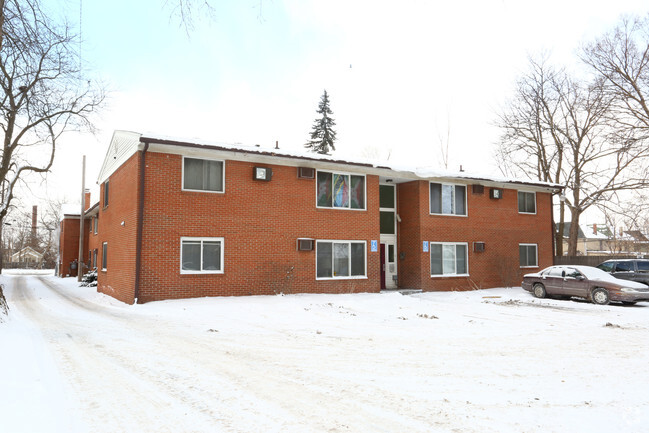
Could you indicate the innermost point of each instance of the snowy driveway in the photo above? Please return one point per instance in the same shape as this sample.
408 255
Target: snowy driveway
496 360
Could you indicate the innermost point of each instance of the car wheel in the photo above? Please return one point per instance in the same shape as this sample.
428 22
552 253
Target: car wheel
539 290
600 296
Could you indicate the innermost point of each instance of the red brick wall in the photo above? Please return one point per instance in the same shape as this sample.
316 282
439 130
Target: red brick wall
409 234
495 222
119 278
260 223
69 245
93 242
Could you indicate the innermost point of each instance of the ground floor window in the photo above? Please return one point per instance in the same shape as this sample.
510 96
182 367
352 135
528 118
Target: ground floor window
529 257
201 255
340 259
94 258
448 259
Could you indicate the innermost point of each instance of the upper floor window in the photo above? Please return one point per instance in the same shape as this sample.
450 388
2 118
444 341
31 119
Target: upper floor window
95 224
203 175
448 259
526 202
105 193
528 254
447 199
344 191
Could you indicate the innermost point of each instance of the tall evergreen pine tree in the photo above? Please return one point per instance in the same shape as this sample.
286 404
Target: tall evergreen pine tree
322 134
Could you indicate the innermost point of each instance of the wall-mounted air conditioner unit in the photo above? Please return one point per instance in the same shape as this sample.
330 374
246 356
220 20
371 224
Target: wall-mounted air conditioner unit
304 244
305 172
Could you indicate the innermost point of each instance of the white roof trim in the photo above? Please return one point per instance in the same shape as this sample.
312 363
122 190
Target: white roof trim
124 144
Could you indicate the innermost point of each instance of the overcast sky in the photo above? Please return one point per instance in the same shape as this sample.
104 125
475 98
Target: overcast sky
399 74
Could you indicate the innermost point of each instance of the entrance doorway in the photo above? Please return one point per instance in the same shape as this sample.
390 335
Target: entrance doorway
388 266
388 225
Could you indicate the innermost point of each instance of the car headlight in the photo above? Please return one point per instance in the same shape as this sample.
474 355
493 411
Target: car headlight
627 289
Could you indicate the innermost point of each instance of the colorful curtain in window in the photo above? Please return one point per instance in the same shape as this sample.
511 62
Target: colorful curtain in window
341 190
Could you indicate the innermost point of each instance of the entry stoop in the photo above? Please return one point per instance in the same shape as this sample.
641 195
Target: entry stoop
404 292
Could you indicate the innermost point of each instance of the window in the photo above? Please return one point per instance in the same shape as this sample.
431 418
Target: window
528 255
94 258
105 193
203 175
606 266
387 209
201 255
448 259
447 199
526 202
624 267
104 256
95 224
340 259
343 191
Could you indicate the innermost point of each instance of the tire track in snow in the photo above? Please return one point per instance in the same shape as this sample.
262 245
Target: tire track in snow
229 385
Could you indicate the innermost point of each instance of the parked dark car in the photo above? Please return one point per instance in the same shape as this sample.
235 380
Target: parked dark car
628 269
585 282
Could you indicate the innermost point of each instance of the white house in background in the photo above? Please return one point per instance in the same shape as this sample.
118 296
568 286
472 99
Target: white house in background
27 255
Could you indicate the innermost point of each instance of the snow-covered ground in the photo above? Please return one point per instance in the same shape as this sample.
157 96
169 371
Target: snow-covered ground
495 360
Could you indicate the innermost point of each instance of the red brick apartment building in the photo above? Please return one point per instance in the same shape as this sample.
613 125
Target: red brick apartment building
180 219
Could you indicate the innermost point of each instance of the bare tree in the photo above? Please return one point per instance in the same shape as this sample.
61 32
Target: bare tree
621 58
557 129
531 145
188 11
445 140
43 92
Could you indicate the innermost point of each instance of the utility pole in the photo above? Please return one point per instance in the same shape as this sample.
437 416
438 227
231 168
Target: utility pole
81 219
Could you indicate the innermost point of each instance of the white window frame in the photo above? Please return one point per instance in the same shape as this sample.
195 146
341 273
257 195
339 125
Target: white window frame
392 210
104 256
536 250
342 173
466 199
202 239
182 173
95 223
442 275
348 277
518 204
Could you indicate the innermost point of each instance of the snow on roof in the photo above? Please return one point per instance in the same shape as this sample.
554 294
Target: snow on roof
420 172
70 209
591 232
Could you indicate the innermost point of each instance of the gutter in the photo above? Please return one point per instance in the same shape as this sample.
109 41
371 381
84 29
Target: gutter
140 225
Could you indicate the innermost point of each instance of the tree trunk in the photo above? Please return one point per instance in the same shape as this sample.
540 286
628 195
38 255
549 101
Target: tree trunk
560 227
574 232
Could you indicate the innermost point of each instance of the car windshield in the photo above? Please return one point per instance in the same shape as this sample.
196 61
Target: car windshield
606 266
597 274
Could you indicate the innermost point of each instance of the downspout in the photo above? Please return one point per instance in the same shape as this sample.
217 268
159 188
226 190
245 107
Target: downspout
140 224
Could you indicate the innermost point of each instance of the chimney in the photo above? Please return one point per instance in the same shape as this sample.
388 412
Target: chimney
34 225
594 229
276 144
86 195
